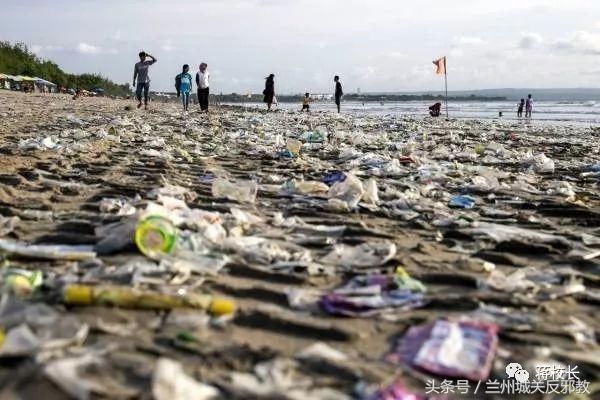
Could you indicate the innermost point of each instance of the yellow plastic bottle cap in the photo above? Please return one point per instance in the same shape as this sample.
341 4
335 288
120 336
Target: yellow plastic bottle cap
78 295
222 306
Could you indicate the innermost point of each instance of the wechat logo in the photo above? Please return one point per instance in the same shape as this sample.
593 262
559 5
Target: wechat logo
514 370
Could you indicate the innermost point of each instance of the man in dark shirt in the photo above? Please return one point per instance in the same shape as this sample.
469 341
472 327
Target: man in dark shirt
140 71
338 92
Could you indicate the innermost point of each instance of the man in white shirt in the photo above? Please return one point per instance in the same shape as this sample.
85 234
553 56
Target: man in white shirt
202 80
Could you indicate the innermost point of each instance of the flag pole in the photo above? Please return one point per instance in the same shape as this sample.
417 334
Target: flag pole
446 84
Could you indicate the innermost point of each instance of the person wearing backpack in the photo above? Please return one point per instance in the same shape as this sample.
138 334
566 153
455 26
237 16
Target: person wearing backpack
178 84
183 83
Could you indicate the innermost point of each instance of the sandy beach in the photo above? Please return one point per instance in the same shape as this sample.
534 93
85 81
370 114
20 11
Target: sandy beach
498 220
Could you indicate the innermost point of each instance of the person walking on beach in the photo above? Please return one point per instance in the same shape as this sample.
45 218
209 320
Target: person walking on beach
528 106
269 91
140 72
185 86
520 108
306 102
338 92
202 82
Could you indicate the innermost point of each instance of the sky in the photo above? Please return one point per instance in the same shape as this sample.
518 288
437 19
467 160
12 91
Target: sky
374 45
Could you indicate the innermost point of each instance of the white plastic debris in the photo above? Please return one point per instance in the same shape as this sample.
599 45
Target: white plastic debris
170 382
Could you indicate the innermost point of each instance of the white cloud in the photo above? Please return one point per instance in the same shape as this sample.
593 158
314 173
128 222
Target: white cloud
468 41
85 48
167 46
396 54
39 49
462 45
90 49
530 40
456 52
582 42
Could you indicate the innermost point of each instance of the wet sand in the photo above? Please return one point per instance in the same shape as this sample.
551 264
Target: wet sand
56 195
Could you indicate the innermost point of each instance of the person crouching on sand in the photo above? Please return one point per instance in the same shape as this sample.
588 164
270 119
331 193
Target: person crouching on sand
185 86
269 91
306 102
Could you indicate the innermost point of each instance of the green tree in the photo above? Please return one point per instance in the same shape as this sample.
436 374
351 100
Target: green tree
17 59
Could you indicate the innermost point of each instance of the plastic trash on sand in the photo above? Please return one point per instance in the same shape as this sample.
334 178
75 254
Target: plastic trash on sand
170 382
333 177
463 349
406 282
293 146
369 254
365 296
77 377
309 187
371 195
22 282
51 252
462 202
156 236
398 391
240 191
281 378
350 191
540 163
125 297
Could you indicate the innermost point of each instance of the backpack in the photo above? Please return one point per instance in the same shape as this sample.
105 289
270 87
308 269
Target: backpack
177 83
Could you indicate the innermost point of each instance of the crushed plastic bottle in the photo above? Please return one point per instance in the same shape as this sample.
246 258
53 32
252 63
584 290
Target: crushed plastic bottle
240 191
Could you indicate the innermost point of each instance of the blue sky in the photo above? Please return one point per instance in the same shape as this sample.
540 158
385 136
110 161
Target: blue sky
377 45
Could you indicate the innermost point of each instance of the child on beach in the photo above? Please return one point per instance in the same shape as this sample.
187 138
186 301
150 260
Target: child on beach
528 106
185 86
520 108
306 102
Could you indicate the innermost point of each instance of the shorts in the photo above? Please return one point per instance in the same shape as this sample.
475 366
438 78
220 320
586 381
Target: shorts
338 100
305 107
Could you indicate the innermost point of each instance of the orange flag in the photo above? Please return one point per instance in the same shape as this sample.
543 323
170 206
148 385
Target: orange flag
440 66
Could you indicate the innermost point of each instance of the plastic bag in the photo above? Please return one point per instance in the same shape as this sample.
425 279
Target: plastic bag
371 195
350 190
240 191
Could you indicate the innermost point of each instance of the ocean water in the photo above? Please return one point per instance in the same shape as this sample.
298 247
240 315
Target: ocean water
581 113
